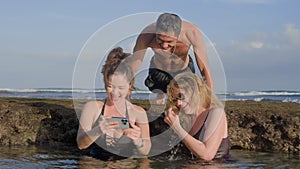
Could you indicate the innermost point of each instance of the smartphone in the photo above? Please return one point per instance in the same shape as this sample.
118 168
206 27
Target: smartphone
123 122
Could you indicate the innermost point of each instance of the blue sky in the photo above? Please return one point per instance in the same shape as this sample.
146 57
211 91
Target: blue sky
258 41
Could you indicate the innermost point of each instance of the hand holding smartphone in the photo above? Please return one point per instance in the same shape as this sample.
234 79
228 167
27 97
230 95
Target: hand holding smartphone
123 122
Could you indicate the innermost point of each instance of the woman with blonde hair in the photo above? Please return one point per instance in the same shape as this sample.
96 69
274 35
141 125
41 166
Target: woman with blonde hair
197 117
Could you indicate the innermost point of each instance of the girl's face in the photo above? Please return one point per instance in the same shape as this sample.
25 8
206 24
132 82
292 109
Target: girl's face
117 88
182 101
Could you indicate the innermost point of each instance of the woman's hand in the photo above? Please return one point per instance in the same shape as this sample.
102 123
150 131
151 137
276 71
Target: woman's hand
172 119
133 133
110 128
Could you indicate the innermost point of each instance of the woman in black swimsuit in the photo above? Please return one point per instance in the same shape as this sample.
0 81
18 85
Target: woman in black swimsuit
197 117
96 131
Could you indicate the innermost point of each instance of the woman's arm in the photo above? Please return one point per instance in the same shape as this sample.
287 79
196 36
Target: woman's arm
142 122
86 133
139 132
144 143
205 150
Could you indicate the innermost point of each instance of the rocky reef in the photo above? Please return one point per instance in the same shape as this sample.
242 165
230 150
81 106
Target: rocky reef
263 126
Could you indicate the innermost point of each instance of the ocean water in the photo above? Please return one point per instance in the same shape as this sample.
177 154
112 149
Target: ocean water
69 93
32 157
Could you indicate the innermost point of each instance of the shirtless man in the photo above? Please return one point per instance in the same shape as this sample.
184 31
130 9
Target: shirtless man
170 39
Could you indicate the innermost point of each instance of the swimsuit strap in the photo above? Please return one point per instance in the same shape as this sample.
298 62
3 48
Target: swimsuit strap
199 131
204 122
126 113
102 111
206 118
103 108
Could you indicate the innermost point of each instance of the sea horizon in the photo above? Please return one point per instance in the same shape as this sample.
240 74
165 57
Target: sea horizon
82 93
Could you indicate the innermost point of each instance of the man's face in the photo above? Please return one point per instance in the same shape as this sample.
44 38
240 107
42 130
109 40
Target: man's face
166 41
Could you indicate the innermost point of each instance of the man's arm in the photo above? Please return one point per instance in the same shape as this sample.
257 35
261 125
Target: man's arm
139 51
196 39
142 43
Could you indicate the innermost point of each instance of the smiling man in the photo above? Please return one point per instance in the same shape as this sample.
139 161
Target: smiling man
170 38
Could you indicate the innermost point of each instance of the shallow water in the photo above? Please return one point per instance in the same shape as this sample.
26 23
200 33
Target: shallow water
48 157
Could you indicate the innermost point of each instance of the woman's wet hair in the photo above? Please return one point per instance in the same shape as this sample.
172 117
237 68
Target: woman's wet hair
116 64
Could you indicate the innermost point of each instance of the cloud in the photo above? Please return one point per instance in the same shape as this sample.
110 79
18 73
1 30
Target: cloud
270 59
292 34
256 44
287 39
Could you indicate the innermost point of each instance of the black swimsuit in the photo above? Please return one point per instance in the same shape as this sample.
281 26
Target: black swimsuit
159 79
123 148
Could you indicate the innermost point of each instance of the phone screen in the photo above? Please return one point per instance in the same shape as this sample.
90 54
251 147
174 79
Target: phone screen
123 122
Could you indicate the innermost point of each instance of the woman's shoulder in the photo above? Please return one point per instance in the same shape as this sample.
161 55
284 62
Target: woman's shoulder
93 104
138 113
216 111
135 108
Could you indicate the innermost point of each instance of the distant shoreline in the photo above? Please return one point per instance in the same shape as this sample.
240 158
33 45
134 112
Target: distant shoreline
70 93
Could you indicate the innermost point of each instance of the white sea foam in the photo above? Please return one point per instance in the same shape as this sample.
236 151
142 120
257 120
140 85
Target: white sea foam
258 99
269 93
18 90
291 100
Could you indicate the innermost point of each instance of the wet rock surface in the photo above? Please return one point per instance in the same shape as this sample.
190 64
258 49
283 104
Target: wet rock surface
264 126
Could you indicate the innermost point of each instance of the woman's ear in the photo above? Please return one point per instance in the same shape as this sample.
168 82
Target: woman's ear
128 97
